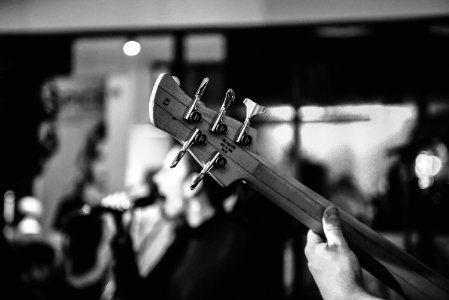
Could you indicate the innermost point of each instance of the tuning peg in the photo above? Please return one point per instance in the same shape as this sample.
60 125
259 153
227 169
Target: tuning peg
219 127
252 109
192 114
196 138
217 161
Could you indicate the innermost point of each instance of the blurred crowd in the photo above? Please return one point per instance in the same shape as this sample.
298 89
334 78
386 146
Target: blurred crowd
171 243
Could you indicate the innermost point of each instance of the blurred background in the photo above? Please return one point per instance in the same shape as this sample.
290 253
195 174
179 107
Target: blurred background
357 99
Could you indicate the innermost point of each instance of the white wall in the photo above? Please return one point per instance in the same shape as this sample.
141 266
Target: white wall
358 148
70 15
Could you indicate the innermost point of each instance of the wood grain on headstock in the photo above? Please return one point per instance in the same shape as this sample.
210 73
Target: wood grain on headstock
397 269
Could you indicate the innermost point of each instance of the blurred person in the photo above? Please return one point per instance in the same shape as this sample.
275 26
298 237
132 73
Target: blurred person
210 254
86 271
91 185
84 231
143 234
334 267
273 228
152 192
149 231
107 224
28 148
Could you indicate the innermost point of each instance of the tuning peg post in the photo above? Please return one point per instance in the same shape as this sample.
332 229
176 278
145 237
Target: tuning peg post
252 109
192 114
218 126
196 138
217 161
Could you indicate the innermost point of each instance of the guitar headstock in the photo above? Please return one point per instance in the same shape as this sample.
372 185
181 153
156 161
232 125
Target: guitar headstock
218 142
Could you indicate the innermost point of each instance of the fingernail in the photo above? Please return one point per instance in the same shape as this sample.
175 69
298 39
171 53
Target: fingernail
331 213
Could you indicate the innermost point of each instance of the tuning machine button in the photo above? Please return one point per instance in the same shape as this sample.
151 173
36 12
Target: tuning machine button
192 114
218 126
195 117
217 161
252 109
197 137
246 139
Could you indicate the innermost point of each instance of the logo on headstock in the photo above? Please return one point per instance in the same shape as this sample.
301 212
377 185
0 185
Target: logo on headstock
227 146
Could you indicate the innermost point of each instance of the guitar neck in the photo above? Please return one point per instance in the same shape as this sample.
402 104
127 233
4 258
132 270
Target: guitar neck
394 267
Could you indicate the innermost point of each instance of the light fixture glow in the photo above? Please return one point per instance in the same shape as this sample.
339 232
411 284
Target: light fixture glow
29 225
423 164
425 182
131 48
30 205
427 165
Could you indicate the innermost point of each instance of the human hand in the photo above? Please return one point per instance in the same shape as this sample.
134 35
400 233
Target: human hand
333 265
119 201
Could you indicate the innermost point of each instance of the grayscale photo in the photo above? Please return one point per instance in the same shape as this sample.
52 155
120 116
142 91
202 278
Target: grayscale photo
224 150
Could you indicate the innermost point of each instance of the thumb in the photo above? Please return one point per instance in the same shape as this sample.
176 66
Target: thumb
332 227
